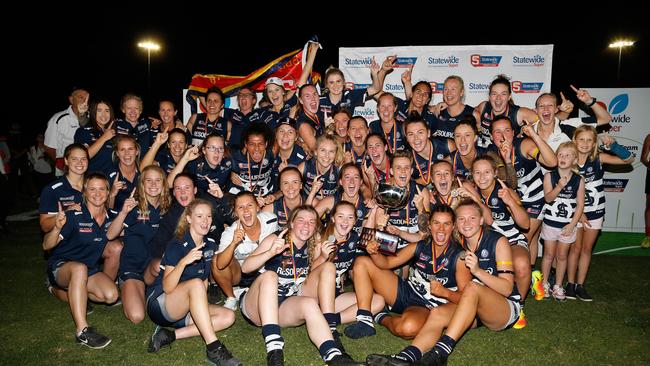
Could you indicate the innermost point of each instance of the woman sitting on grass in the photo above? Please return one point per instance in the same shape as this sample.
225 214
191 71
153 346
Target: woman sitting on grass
276 297
77 242
491 298
178 298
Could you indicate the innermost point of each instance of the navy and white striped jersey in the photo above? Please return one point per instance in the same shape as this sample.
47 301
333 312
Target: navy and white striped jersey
593 172
292 267
560 212
488 116
255 177
487 259
203 128
421 272
530 180
502 221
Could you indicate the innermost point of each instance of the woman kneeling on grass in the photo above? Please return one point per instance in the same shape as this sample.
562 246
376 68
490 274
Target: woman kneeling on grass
276 297
77 242
178 297
491 299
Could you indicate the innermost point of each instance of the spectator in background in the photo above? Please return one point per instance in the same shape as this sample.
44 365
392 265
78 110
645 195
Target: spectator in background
5 194
41 165
63 125
645 161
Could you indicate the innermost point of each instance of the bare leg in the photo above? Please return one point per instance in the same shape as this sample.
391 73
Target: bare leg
133 300
574 255
111 257
408 324
228 277
192 296
152 271
261 301
492 308
346 305
521 264
297 310
431 331
533 239
321 285
368 278
221 318
561 256
588 241
549 254
74 276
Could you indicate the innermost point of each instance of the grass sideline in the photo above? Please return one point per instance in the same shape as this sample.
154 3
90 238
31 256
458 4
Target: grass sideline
614 329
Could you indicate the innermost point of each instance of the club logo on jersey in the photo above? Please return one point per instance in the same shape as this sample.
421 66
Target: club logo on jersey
484 253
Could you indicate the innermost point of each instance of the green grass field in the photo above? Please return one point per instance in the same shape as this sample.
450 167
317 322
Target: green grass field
612 330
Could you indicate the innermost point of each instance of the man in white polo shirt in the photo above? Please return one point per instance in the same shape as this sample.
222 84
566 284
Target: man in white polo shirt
62 126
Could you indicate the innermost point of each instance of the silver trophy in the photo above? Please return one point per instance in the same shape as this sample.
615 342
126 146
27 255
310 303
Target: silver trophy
388 197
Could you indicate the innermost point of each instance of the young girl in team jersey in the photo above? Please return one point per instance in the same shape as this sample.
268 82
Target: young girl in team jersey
590 162
563 192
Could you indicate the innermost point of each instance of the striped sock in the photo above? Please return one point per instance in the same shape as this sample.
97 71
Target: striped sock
272 337
410 353
445 345
365 317
328 350
333 319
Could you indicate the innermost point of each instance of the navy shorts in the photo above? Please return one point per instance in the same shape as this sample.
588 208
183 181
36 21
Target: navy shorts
158 313
247 279
53 270
124 276
406 297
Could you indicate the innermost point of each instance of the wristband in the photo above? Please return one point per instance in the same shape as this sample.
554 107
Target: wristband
593 101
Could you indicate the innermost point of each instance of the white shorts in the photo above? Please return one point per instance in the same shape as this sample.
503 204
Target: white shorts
595 224
555 234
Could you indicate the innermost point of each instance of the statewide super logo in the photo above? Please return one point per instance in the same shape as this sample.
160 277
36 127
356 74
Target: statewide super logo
617 108
521 87
536 60
404 62
449 61
485 61
351 86
615 185
437 88
358 62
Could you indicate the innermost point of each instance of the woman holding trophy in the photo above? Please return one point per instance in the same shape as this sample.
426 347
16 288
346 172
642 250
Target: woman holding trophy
433 281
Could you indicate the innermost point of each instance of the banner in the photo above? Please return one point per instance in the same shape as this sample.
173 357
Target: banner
625 185
287 67
528 67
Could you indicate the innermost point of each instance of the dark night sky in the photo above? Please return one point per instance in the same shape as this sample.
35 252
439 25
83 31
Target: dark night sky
98 49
